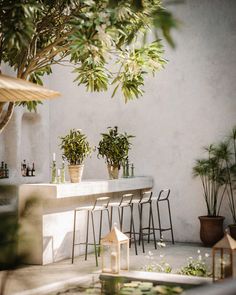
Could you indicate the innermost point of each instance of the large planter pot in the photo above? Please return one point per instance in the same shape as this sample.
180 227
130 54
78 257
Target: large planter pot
232 230
211 230
113 171
75 172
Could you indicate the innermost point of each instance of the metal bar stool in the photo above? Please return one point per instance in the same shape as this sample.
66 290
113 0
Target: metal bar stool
146 199
125 202
98 206
164 196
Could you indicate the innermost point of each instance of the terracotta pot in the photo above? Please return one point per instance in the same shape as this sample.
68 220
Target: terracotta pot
211 230
232 230
75 172
113 171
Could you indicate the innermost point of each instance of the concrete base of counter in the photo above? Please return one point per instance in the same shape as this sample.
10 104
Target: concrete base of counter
49 224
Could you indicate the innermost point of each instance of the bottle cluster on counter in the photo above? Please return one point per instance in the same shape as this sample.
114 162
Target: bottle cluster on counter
57 175
4 171
27 170
128 169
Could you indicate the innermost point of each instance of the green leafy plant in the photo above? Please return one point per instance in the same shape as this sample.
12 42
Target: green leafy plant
211 172
35 34
230 173
114 146
11 233
218 175
75 147
161 266
195 267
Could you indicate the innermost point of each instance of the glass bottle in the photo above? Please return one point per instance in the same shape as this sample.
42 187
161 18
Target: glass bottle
33 170
127 167
132 170
63 177
54 172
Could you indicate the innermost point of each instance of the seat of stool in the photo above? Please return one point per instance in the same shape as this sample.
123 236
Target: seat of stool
88 208
117 204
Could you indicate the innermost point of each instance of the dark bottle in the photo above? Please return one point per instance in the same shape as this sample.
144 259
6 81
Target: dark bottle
33 170
6 172
23 168
28 171
2 170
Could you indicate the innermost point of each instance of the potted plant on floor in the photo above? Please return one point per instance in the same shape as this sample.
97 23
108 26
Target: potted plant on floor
114 147
211 172
76 149
230 180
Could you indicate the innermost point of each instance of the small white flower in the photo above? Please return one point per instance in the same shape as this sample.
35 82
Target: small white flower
198 251
207 254
150 253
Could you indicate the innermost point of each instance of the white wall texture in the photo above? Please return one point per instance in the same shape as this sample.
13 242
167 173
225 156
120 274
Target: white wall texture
186 106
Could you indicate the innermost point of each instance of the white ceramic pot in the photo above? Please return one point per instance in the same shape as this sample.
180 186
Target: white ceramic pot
75 172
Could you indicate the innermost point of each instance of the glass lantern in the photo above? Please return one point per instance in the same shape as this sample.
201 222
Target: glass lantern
222 258
115 252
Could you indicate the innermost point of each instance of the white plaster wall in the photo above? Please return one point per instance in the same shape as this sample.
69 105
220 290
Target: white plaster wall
190 104
26 137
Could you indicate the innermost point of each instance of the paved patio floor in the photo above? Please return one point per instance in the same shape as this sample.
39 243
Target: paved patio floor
52 276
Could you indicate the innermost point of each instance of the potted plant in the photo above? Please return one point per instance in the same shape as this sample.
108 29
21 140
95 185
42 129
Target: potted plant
230 180
211 173
76 149
114 147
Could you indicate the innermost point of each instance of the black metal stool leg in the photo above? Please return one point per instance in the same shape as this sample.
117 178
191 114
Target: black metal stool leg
87 233
111 216
108 216
153 227
130 225
159 220
140 222
94 240
171 227
121 220
73 241
141 227
132 221
149 225
100 232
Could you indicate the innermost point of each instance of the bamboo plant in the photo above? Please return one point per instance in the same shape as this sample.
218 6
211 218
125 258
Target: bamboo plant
210 171
230 174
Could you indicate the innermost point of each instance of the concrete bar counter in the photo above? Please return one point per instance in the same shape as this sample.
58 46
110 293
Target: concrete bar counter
49 225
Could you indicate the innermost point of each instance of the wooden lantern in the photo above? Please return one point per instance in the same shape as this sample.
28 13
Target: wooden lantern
222 258
115 252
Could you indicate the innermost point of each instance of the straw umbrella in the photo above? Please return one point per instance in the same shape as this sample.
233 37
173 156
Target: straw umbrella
15 90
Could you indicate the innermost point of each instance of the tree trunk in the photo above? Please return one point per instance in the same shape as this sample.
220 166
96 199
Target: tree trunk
7 116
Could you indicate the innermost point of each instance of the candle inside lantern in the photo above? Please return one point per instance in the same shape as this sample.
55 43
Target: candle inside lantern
114 262
54 156
58 172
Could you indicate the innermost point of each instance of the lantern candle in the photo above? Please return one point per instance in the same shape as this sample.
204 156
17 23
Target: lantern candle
54 156
114 262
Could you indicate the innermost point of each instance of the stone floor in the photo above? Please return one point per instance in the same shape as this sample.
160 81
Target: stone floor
40 279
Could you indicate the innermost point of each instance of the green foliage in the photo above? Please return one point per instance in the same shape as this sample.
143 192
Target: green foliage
148 288
11 235
195 267
91 35
75 147
114 146
160 266
218 175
